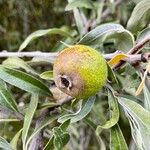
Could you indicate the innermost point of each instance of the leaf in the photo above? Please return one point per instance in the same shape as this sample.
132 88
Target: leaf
85 109
4 145
139 17
80 3
136 1
122 37
40 33
143 34
99 9
61 138
6 99
42 60
15 140
117 141
116 59
49 144
47 105
90 123
111 75
141 86
114 114
63 127
80 22
47 75
28 118
23 81
127 96
15 62
139 119
48 120
80 19
146 98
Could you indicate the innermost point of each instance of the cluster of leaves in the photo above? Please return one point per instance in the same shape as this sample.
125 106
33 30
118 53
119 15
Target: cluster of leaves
114 118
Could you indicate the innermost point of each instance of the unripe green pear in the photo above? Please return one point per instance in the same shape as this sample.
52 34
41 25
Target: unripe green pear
80 71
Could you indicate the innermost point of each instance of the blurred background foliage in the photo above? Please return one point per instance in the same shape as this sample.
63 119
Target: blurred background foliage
19 18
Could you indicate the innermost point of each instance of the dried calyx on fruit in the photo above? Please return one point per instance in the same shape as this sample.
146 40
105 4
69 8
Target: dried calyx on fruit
80 71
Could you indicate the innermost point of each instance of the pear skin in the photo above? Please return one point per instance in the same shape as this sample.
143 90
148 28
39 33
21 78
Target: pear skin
80 71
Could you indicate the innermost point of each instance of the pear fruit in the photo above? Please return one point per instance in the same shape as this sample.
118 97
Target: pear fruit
80 71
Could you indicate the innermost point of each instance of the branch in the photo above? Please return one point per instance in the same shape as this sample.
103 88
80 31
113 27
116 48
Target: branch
134 50
139 45
26 54
130 58
132 55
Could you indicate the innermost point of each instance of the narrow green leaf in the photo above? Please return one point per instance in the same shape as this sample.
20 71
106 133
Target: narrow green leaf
65 125
47 105
79 21
48 120
146 98
47 75
99 9
4 145
42 60
90 123
80 3
139 119
123 38
140 16
85 109
6 99
127 96
49 145
117 141
143 34
23 81
60 138
28 118
114 114
111 75
40 33
136 1
15 140
15 62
